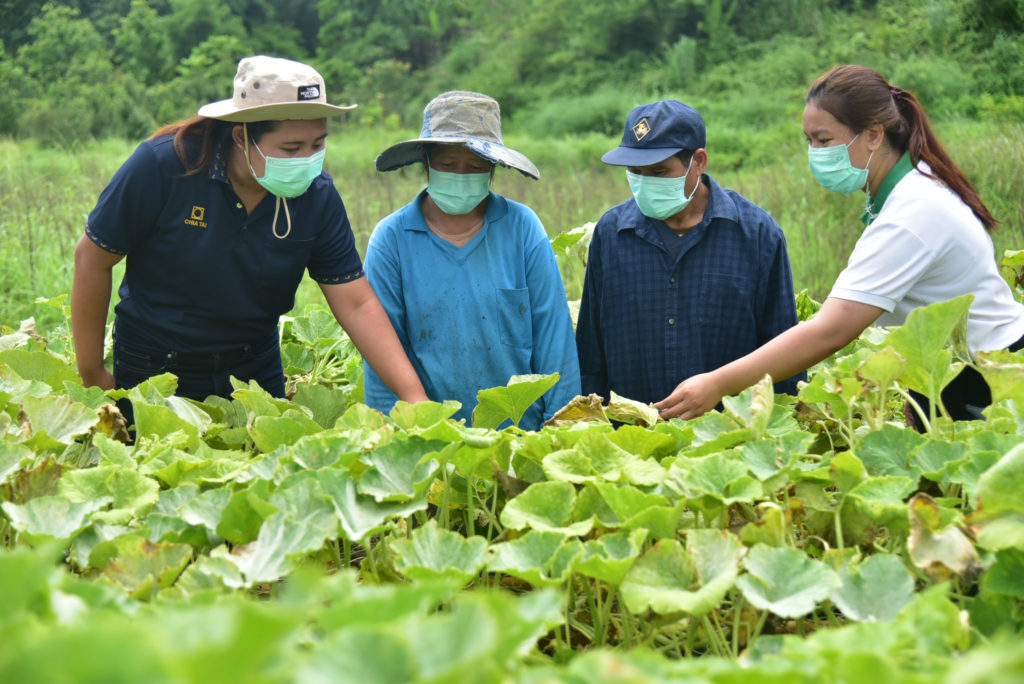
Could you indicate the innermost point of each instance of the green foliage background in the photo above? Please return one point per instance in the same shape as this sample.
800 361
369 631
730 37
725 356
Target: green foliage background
75 69
169 549
85 81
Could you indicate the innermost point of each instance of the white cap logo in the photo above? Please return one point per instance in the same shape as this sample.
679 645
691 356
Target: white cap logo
309 92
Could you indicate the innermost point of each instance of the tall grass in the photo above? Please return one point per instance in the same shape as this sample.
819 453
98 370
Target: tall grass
47 194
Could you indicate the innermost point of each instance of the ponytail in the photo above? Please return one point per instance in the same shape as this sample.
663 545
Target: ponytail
859 97
924 146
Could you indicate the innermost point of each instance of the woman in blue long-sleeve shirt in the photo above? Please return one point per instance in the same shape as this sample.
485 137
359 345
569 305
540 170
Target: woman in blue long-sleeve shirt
467 276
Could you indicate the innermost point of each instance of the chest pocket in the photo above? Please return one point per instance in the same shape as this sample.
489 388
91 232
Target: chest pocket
726 309
514 317
283 263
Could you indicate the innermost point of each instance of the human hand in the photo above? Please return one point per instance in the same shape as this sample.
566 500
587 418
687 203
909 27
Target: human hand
97 377
691 398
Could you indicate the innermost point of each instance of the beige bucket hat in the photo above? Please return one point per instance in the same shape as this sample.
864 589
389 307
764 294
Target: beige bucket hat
459 117
274 89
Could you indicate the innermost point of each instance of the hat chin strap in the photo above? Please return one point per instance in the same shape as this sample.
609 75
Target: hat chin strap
287 215
278 200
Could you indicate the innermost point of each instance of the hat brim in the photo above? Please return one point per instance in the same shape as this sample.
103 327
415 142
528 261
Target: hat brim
411 151
636 156
226 110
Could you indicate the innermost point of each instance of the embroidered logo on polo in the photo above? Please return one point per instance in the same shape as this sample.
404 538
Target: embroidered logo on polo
641 129
198 217
310 92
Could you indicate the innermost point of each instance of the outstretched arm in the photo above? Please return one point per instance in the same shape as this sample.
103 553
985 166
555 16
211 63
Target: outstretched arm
90 299
360 313
838 323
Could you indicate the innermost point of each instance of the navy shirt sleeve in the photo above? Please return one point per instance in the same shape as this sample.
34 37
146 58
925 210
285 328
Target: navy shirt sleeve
335 258
128 208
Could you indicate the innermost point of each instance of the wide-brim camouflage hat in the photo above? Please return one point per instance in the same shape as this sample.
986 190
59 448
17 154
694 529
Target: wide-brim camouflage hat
459 117
274 89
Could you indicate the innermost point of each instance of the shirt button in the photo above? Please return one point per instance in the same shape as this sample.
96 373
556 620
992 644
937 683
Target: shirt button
672 280
671 321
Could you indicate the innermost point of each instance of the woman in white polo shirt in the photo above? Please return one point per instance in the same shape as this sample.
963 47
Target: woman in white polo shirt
926 241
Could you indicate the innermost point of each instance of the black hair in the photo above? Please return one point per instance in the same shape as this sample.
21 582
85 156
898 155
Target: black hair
429 147
210 135
859 97
685 156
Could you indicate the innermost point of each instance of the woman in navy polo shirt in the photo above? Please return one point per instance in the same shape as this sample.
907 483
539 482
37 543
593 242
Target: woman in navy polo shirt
926 240
467 276
219 216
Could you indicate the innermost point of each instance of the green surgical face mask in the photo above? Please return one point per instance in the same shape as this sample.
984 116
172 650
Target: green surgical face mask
457 193
289 176
832 167
286 176
658 197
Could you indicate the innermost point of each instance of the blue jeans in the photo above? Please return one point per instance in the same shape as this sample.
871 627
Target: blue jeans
199 375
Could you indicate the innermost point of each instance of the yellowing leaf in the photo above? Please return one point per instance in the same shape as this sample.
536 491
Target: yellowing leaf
578 410
940 553
629 411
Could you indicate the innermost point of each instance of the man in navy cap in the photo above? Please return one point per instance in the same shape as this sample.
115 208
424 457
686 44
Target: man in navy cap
683 277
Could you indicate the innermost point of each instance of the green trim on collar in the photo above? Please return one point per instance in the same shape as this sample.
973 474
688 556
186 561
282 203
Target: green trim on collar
895 175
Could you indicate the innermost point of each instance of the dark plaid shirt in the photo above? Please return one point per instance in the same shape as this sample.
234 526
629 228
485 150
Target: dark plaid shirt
653 314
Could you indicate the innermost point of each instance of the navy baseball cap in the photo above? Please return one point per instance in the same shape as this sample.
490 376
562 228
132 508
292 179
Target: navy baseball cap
656 131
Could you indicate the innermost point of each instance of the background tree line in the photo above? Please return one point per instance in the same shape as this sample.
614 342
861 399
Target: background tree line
76 69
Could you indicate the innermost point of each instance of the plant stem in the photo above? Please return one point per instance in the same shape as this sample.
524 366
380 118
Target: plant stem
595 610
372 562
628 619
470 512
737 609
837 518
7 534
335 554
605 606
569 593
917 409
445 504
714 641
492 526
757 630
831 614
